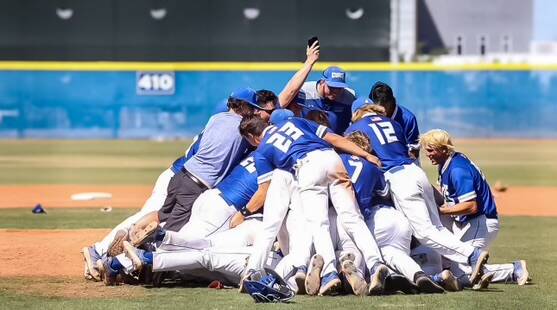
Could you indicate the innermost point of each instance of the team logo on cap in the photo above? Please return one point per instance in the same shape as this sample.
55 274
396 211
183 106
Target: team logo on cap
337 75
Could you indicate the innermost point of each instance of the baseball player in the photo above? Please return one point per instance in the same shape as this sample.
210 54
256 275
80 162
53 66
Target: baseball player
382 94
330 94
216 156
213 210
302 147
470 203
411 191
221 256
391 230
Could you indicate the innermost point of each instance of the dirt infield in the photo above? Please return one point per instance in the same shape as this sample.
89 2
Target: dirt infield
531 201
26 252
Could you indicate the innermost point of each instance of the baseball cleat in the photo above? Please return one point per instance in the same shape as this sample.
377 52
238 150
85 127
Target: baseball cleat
116 247
313 279
484 282
300 278
135 255
329 284
90 256
348 268
396 282
450 282
478 259
427 286
378 273
520 273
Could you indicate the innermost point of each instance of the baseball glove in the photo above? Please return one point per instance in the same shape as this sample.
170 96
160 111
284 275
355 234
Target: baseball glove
271 288
143 229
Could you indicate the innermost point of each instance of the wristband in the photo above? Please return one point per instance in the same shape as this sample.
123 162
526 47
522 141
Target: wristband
245 212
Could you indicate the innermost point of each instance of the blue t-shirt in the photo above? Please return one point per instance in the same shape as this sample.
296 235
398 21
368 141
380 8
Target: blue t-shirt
221 148
368 181
286 143
240 185
338 112
192 149
387 139
461 180
407 121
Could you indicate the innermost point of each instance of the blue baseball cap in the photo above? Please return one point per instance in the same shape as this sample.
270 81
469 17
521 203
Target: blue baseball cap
280 115
335 77
246 94
360 103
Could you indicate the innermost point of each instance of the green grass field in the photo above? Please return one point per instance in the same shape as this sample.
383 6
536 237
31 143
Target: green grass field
514 162
140 162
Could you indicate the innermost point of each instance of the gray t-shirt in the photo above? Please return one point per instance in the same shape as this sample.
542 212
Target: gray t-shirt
221 148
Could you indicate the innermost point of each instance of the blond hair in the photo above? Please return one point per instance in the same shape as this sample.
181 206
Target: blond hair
437 139
368 109
361 140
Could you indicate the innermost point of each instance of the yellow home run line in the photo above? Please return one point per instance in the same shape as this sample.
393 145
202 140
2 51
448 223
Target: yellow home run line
255 66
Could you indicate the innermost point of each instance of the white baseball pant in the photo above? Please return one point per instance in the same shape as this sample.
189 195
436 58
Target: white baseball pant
393 234
210 214
480 232
282 191
413 196
321 175
153 203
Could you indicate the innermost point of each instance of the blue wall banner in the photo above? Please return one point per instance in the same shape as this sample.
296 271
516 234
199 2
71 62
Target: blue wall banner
108 104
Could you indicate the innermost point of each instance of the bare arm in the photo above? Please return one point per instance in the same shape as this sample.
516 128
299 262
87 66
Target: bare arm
254 204
463 208
293 87
342 144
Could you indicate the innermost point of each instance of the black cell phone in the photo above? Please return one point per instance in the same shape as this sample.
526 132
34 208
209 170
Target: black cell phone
312 40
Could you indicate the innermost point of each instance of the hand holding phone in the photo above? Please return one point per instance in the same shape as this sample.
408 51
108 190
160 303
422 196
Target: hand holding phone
312 50
313 40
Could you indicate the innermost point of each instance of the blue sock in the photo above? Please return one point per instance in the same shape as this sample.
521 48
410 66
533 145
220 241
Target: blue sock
148 257
115 265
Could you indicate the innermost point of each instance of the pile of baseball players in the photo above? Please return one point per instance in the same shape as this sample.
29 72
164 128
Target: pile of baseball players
324 189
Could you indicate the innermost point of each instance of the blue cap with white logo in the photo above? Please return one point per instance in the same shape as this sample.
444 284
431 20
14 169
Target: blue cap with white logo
280 115
360 103
246 94
335 77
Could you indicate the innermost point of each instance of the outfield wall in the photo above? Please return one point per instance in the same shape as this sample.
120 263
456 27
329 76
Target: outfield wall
101 101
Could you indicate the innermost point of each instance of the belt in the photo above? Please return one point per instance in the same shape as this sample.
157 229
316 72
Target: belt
194 179
395 169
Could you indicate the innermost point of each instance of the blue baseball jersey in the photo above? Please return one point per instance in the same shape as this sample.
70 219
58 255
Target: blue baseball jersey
339 111
286 143
387 139
461 180
369 183
192 149
240 185
407 120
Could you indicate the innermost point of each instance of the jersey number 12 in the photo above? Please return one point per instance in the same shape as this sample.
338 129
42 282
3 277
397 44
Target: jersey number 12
384 132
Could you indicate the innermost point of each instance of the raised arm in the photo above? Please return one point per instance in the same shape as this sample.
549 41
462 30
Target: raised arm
293 87
344 145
